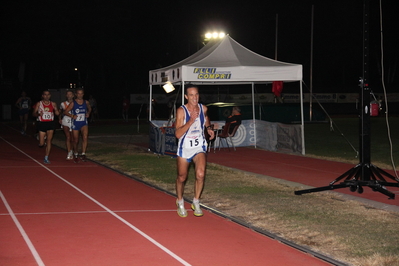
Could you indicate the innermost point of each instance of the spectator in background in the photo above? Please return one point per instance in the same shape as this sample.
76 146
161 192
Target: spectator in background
235 118
94 111
125 108
153 103
23 104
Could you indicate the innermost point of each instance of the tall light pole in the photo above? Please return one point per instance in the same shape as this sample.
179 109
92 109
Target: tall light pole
311 67
79 83
276 39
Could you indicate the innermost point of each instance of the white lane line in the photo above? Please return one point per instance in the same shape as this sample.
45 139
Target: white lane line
166 250
85 212
55 166
22 231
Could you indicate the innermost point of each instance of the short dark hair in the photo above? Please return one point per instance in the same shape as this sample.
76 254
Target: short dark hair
188 86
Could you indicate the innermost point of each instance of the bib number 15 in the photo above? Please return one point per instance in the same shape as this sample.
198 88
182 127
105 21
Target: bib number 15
193 143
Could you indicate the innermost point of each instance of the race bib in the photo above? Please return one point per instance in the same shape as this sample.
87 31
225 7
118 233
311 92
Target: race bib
191 143
80 117
47 116
25 106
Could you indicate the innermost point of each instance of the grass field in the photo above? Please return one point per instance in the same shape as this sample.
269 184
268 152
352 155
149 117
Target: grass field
335 144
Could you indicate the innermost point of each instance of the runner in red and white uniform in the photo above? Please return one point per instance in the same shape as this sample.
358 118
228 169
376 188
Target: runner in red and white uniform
44 111
66 123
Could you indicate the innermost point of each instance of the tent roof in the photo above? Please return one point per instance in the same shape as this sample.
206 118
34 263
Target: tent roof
226 61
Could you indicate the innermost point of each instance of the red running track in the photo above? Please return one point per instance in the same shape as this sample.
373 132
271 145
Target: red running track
86 214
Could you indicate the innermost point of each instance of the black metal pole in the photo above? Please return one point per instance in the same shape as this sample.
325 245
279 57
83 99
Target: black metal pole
363 174
365 140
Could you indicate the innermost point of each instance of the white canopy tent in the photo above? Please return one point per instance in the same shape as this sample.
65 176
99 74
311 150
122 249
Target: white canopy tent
225 61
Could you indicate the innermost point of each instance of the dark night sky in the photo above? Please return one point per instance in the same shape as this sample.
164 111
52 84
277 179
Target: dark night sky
115 43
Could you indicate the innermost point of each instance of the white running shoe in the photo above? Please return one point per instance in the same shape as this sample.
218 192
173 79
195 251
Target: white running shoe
195 206
181 211
70 155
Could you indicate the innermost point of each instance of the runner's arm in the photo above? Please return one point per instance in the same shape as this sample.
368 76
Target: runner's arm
88 109
208 123
35 112
17 104
69 108
182 128
56 111
61 114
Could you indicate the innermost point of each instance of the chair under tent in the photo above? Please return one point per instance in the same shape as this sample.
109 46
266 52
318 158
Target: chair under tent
223 134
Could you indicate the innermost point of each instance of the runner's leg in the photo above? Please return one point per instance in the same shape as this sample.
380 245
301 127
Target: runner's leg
75 141
85 136
68 138
182 172
200 166
49 139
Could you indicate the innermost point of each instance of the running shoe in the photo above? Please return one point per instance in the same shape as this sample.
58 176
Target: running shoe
76 159
70 156
46 161
195 206
181 211
83 158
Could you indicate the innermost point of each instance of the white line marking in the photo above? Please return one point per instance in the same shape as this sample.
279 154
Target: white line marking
22 231
55 166
85 212
170 253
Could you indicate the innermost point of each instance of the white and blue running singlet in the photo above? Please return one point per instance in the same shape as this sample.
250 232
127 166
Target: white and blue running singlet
193 141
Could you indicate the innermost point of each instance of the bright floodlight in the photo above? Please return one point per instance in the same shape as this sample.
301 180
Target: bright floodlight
208 35
214 35
168 87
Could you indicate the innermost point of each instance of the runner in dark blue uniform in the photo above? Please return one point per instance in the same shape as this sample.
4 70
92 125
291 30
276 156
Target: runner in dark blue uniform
80 112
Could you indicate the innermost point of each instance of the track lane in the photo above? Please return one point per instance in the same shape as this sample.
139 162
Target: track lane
67 228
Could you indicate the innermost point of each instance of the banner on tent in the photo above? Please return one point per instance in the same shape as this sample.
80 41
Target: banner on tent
170 141
156 139
211 73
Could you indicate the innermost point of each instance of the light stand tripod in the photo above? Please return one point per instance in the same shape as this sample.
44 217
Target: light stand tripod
364 174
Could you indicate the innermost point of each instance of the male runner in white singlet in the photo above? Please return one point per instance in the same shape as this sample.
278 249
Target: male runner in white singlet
66 123
191 119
